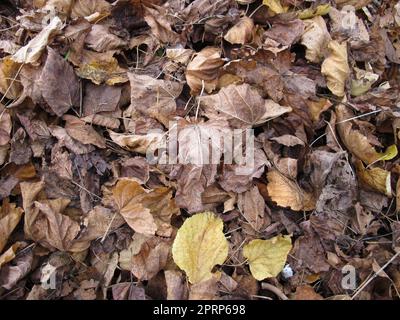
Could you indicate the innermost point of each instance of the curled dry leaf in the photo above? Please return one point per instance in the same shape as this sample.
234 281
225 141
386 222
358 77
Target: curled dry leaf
199 245
356 142
336 68
31 52
156 18
287 193
203 70
375 178
241 106
101 40
10 215
242 32
148 261
145 211
252 206
90 8
267 257
143 144
316 38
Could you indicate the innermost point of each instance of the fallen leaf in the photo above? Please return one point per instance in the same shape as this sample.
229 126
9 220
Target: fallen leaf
59 84
200 245
10 215
376 178
336 68
356 142
82 132
267 257
287 193
202 71
316 38
9 82
241 32
31 52
242 106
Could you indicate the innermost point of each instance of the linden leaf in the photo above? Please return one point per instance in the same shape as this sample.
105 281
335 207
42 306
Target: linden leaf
336 68
267 257
199 245
287 193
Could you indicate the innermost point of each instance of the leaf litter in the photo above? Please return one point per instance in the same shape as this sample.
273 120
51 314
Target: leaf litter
92 94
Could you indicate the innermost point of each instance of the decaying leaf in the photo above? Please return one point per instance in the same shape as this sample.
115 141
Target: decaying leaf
335 67
10 216
286 193
9 72
202 71
376 178
241 33
316 38
200 245
267 257
356 142
242 106
31 52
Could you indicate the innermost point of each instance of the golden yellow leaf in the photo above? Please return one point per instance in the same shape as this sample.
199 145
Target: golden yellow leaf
356 142
267 257
287 193
199 245
336 68
275 6
375 178
320 10
8 72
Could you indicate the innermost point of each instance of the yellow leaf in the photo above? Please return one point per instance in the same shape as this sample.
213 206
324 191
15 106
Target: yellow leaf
275 6
287 193
320 10
336 68
375 178
199 245
267 257
8 72
356 142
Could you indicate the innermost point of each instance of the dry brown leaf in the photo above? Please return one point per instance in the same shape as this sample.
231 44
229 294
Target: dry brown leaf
252 206
357 143
203 70
101 40
10 215
242 32
59 84
287 193
148 261
336 68
82 132
153 97
139 143
145 211
375 178
156 18
242 106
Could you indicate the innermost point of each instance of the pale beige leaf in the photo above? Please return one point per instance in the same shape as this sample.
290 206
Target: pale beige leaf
199 245
31 52
315 38
10 215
